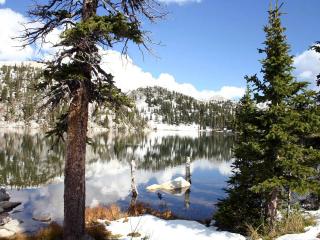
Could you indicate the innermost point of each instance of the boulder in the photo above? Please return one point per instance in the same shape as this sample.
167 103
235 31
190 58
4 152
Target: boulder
177 183
4 196
8 206
4 218
10 229
42 217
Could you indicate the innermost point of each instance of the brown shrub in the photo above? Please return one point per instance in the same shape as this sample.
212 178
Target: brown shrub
110 213
140 208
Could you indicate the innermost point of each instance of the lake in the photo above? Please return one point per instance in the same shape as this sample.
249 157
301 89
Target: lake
32 169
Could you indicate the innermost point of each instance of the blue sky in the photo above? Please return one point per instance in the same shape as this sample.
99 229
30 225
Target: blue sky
213 43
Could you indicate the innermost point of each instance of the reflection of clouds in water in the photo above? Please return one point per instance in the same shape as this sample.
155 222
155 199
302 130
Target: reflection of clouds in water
224 168
107 182
112 179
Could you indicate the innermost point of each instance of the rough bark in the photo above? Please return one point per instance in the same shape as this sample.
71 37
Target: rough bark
288 202
272 207
74 183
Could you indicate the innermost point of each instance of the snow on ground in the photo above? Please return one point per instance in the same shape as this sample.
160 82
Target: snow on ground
157 229
167 127
154 228
311 232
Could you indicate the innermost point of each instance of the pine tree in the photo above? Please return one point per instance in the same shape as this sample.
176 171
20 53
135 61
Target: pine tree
279 160
243 206
75 77
286 121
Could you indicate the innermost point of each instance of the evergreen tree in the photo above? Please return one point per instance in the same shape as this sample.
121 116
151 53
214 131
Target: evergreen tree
75 77
278 158
243 206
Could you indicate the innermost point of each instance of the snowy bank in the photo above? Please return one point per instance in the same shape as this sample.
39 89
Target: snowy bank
153 228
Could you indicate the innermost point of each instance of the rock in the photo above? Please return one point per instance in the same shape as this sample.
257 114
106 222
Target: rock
42 217
1 210
4 196
177 183
5 233
4 218
8 206
10 229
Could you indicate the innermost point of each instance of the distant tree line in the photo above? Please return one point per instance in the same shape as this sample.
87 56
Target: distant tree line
174 108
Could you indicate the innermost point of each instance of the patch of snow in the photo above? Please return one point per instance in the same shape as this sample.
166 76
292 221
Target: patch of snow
180 127
177 183
157 229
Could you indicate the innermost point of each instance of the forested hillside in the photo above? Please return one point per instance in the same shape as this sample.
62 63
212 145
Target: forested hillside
162 106
20 102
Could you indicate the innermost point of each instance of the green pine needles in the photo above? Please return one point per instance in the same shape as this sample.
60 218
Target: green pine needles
273 158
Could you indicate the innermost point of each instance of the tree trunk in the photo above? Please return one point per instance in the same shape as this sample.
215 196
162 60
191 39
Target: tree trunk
289 202
272 207
74 182
75 186
134 189
188 171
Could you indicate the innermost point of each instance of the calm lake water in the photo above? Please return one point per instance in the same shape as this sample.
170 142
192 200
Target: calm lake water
32 168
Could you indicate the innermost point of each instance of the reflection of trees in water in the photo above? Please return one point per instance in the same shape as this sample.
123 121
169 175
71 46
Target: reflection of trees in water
160 152
26 160
172 151
31 160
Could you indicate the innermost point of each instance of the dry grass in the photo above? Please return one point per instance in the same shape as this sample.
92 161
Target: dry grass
142 208
110 213
93 228
294 223
253 233
99 232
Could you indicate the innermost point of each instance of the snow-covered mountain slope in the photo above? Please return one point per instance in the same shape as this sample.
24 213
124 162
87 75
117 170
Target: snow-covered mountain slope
155 107
162 108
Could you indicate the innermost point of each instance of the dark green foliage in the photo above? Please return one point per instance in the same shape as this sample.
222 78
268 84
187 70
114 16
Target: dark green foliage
19 99
272 155
242 206
175 108
104 30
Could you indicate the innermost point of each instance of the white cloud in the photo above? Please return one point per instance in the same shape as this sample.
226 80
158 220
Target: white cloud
10 25
129 76
2 2
180 2
307 66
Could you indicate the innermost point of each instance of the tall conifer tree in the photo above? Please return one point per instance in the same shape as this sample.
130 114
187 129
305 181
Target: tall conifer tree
75 77
281 161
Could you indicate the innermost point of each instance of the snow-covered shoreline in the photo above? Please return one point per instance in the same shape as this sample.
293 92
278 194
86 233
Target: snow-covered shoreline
154 228
94 128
